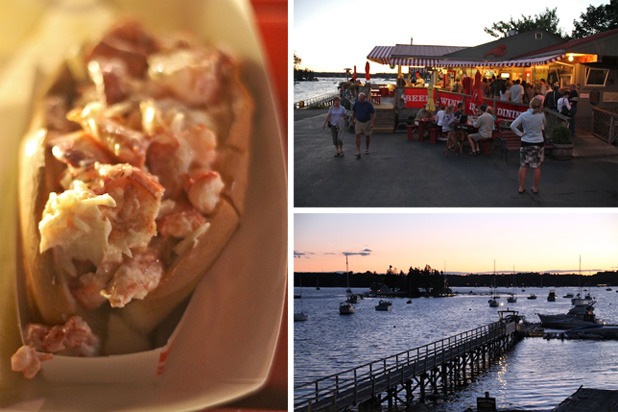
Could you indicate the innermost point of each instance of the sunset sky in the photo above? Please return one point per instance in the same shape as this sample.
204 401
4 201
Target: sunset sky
330 35
460 242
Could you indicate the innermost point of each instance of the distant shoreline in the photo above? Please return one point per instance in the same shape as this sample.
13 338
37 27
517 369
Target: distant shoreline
365 280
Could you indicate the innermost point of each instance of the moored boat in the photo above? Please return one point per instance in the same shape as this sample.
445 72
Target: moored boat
532 296
594 332
300 317
384 305
581 314
346 308
552 296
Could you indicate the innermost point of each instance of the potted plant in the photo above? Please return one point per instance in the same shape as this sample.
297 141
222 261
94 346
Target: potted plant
562 142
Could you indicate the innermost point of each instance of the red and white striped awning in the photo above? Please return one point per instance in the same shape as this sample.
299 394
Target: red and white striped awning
380 54
527 62
397 61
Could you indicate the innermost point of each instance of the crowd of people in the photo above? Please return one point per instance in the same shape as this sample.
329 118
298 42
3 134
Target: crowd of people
529 125
563 101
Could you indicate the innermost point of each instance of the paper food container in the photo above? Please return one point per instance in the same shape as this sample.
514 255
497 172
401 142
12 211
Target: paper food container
218 346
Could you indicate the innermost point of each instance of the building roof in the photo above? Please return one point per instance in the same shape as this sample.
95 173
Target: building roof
509 47
418 50
604 43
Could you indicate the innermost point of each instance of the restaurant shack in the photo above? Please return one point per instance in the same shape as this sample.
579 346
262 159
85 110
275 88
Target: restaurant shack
590 63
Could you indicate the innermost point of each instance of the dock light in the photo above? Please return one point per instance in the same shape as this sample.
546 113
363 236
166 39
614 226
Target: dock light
570 57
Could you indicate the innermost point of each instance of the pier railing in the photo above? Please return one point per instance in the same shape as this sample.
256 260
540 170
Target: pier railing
393 369
316 101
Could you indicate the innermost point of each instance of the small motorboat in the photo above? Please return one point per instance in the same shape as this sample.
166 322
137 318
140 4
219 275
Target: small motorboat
568 295
512 299
300 317
409 301
532 296
353 298
552 296
384 305
593 332
346 308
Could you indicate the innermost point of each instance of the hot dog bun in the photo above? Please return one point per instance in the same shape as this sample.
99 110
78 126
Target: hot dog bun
185 259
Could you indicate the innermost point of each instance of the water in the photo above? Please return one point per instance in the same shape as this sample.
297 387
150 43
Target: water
537 374
325 85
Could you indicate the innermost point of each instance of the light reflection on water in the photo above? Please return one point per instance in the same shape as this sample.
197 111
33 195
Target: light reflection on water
536 374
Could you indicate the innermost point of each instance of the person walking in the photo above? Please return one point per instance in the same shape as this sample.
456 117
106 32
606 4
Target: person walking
532 152
336 121
363 116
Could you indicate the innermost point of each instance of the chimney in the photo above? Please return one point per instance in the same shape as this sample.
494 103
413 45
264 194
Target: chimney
411 40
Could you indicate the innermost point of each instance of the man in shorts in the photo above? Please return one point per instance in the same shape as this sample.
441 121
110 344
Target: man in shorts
363 116
485 124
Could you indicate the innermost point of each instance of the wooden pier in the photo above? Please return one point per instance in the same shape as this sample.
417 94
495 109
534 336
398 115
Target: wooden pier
404 378
324 99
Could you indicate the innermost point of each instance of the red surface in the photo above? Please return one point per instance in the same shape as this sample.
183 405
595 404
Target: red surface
272 20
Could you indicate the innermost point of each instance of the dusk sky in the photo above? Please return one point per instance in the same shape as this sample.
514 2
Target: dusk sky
330 35
461 242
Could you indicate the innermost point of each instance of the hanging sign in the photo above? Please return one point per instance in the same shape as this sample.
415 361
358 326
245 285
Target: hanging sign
509 111
449 99
415 97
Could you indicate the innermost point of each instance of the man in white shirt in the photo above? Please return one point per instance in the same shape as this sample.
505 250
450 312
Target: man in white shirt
517 92
485 124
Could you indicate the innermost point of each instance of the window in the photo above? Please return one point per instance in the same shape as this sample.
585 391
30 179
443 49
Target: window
538 35
596 77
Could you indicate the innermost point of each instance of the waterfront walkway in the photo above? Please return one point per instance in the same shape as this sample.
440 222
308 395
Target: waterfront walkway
402 173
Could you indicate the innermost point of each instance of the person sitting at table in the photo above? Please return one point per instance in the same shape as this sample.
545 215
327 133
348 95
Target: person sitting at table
440 115
460 116
484 124
423 115
448 122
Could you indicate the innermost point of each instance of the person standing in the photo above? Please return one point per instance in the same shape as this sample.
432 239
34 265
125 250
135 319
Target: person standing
336 121
532 152
564 107
551 99
485 124
517 92
543 87
573 99
363 116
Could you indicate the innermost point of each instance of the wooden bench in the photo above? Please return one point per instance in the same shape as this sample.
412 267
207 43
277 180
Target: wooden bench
510 142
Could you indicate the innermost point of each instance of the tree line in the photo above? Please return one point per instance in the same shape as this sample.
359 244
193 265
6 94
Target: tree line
431 282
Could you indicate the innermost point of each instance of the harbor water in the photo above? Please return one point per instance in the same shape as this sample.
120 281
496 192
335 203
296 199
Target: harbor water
307 89
536 374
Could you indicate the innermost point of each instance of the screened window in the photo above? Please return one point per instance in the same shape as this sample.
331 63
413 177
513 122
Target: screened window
596 77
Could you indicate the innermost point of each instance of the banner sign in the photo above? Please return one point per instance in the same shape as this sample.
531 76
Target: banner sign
415 97
469 106
509 111
449 99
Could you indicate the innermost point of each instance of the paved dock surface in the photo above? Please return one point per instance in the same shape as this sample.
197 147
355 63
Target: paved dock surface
402 173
